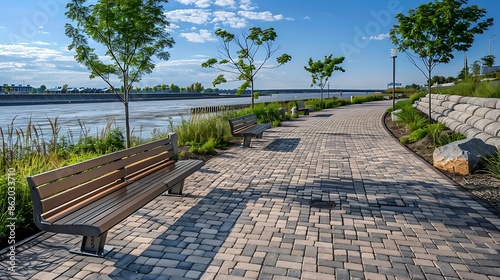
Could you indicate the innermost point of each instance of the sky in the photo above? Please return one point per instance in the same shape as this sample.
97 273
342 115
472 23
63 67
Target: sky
34 48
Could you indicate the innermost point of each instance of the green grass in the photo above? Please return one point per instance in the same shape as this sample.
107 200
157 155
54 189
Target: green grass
368 98
474 87
492 164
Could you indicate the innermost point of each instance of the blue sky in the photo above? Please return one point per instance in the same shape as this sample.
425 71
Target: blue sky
33 46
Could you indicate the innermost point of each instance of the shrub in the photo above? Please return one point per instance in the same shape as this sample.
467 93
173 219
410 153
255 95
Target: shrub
446 138
367 98
412 118
492 164
434 130
198 130
417 134
417 96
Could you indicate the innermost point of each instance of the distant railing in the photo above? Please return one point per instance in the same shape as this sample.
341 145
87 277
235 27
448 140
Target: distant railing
218 109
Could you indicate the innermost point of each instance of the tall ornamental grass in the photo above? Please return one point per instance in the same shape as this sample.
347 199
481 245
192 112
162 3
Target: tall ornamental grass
30 151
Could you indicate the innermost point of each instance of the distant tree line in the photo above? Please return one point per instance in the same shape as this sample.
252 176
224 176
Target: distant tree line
163 88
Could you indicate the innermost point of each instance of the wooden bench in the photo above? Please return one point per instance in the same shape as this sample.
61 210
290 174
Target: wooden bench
301 107
247 127
90 197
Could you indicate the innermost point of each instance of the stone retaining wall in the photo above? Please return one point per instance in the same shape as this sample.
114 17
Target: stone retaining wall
472 117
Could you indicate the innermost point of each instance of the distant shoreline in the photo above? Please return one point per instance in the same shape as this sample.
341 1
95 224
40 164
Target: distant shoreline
69 98
72 98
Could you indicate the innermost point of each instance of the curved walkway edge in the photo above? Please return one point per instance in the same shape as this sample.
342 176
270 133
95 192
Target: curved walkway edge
331 195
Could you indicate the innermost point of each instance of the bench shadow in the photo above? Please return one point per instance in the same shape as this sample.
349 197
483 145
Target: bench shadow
322 115
190 244
283 145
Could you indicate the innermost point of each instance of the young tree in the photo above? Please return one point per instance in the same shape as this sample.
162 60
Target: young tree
321 71
488 61
132 33
250 56
163 88
476 68
435 30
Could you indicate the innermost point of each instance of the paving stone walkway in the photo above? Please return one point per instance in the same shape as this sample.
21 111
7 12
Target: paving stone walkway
327 196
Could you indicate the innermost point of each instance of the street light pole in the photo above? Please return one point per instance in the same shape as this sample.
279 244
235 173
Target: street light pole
489 44
393 55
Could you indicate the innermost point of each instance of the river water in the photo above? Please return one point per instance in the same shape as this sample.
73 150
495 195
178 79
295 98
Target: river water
145 116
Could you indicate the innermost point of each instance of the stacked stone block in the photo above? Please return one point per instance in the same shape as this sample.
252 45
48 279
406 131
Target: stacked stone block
472 117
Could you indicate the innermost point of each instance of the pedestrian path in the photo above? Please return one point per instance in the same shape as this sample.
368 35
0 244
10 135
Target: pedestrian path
331 195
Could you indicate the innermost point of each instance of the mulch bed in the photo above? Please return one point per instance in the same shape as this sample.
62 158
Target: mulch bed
481 184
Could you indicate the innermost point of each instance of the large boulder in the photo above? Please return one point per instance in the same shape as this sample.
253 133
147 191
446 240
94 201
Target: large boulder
462 157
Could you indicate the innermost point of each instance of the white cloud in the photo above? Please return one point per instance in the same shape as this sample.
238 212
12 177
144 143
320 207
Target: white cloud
247 5
196 16
199 37
265 16
172 27
42 43
229 18
378 37
226 3
197 3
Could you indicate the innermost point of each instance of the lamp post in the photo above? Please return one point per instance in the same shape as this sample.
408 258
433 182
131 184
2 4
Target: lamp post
393 55
489 49
489 44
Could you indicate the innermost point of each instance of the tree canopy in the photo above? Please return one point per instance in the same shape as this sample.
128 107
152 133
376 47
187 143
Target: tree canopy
322 70
434 31
252 53
132 33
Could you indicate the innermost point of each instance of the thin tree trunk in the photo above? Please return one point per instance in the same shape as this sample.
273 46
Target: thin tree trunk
430 95
251 93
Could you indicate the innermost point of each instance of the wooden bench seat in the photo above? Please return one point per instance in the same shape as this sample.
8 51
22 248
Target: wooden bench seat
247 127
301 107
91 197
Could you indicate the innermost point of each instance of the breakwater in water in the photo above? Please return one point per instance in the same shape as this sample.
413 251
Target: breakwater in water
39 99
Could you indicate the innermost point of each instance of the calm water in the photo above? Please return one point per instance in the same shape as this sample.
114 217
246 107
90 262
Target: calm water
145 116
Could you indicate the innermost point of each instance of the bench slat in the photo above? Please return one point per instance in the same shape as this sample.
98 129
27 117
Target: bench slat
55 201
52 175
100 172
149 159
81 208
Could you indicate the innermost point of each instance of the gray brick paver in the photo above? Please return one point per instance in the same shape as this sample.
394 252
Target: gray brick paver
395 216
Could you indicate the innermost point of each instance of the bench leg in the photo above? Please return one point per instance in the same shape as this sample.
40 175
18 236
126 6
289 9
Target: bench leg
259 135
306 112
246 141
93 246
177 188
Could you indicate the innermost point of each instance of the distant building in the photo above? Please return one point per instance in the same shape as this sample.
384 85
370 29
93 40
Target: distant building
16 89
492 69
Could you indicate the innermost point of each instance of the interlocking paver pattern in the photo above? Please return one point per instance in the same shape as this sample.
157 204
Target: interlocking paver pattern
248 215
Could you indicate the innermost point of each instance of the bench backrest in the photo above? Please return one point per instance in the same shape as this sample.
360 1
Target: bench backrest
243 122
79 184
300 105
